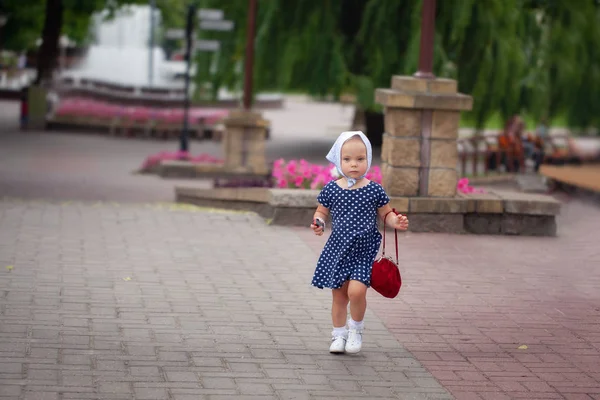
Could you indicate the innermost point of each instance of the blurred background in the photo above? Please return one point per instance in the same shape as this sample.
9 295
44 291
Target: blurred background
532 67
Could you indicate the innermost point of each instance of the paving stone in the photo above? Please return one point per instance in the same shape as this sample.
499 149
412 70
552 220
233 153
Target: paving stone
202 279
108 342
470 302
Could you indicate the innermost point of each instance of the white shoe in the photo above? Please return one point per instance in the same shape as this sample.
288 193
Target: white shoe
338 343
354 342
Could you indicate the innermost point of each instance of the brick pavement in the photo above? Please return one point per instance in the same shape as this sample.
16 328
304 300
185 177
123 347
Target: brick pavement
467 305
90 166
79 166
469 302
126 301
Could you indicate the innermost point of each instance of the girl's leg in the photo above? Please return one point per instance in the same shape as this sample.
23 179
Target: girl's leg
357 293
339 313
339 306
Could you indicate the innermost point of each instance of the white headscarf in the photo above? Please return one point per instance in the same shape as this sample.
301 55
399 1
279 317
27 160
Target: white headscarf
335 154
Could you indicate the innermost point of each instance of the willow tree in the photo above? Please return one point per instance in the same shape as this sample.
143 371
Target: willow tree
298 47
570 60
482 46
538 57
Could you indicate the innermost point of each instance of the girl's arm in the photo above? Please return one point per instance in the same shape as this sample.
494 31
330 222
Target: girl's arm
384 212
391 219
321 213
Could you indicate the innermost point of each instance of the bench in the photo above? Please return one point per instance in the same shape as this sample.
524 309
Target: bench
581 176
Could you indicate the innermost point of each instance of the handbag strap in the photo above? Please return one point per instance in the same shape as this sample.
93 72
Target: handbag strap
395 234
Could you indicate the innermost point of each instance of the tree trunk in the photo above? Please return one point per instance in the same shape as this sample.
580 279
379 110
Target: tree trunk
374 127
48 52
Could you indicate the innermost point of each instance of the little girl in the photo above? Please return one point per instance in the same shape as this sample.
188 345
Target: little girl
346 261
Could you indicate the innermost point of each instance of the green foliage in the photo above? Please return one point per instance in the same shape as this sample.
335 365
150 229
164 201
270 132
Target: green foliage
25 23
539 58
534 57
173 14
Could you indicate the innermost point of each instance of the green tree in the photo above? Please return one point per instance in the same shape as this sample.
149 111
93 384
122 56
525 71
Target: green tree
48 19
24 24
570 60
173 13
537 57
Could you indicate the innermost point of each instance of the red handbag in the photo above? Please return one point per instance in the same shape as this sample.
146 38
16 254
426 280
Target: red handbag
385 274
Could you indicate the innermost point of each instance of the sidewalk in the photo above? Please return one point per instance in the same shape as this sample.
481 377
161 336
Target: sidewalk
470 303
143 302
218 305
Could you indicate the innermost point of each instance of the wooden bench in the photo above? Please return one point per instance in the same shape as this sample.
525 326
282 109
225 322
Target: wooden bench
581 176
481 150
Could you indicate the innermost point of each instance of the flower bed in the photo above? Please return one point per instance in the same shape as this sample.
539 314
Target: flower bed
304 175
301 174
293 174
154 160
463 187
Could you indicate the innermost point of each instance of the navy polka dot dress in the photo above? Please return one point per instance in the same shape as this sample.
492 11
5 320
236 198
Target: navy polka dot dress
354 242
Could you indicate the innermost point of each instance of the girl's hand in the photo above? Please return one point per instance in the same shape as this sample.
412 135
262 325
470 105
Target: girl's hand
399 222
317 229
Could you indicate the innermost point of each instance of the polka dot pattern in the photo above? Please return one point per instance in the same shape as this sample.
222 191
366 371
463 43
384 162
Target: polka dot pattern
354 242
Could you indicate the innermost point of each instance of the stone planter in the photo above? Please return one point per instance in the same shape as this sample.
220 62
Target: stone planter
495 212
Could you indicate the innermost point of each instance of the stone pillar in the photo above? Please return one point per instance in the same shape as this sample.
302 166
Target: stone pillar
419 154
245 142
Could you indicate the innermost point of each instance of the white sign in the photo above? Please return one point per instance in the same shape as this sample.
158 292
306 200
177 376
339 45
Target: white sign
216 25
175 34
210 14
207 45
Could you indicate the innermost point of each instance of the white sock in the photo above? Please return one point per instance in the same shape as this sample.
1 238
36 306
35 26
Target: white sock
336 332
358 325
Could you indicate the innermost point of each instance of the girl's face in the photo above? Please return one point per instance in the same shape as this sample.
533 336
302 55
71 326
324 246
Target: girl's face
354 158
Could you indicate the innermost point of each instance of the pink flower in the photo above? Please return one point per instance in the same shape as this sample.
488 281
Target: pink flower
277 173
316 169
298 181
375 173
301 173
182 155
179 155
291 167
463 186
201 158
318 181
